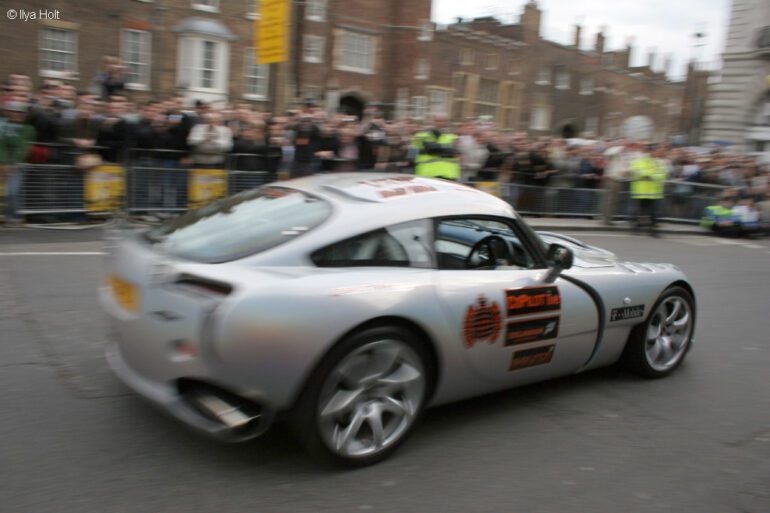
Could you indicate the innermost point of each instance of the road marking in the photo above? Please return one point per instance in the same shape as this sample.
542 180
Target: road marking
600 234
54 253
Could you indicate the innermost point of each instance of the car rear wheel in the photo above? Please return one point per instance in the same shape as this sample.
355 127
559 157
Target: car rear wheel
658 346
365 396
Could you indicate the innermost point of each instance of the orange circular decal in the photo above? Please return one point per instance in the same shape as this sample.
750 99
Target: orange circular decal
482 322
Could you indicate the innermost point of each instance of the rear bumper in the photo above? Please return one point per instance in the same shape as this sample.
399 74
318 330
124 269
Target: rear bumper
169 400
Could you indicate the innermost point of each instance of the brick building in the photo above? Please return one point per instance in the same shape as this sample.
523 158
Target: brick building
345 54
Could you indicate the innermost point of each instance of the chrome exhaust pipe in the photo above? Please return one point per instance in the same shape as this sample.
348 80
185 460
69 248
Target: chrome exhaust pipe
228 414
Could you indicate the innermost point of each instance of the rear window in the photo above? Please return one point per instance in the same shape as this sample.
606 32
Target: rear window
241 225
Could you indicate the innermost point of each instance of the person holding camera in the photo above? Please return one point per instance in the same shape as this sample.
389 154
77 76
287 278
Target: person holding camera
210 141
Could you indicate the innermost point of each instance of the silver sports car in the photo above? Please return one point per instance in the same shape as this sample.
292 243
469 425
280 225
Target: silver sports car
346 304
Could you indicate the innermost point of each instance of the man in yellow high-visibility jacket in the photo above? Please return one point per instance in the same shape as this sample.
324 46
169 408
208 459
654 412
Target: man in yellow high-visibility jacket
648 174
437 155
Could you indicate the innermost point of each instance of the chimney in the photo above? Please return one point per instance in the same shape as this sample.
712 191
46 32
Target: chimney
578 30
629 50
651 58
530 21
667 64
599 47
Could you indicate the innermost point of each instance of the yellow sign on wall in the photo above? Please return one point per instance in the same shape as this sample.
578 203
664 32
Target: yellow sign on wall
206 185
105 186
270 32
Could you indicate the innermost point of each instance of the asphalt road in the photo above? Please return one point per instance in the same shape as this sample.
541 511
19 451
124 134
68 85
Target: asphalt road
72 439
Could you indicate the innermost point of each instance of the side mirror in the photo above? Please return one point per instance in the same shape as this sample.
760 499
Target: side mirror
559 259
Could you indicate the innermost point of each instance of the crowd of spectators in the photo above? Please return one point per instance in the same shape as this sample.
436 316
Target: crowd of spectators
104 124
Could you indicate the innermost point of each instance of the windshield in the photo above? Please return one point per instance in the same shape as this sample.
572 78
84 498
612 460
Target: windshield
241 225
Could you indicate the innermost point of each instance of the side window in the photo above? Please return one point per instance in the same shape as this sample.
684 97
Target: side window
402 245
477 243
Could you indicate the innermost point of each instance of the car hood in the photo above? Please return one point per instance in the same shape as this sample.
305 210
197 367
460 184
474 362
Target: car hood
585 254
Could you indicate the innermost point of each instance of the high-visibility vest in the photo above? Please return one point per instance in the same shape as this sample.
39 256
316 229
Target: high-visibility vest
434 165
715 214
647 177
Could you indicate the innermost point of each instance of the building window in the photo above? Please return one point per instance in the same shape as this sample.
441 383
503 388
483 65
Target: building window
315 10
312 92
541 118
426 31
58 52
587 86
490 61
203 64
357 53
256 77
486 101
543 75
513 67
137 54
206 5
488 91
252 9
674 108
438 101
402 103
419 106
422 69
313 48
562 79
592 125
466 56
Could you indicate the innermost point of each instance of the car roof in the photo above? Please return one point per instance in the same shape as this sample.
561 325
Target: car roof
421 196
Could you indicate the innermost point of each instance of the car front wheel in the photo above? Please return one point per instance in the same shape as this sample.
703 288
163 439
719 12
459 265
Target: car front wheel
658 346
365 396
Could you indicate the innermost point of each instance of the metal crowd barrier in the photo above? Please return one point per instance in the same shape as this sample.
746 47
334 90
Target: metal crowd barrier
51 189
244 172
683 202
157 181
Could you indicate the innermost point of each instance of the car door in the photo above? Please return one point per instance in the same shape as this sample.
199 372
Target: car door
513 327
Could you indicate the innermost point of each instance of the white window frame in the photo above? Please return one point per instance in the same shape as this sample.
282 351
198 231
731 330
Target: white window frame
543 76
419 107
514 67
318 46
587 86
73 51
315 10
540 118
190 64
143 85
466 56
421 69
435 104
205 5
345 53
562 79
491 61
263 91
426 31
592 125
252 9
402 103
